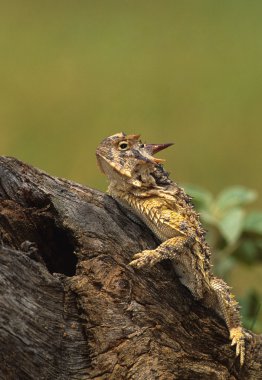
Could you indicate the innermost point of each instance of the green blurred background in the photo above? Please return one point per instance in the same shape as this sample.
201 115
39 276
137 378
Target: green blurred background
189 72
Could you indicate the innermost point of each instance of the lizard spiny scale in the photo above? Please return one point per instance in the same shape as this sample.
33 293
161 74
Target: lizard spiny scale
139 182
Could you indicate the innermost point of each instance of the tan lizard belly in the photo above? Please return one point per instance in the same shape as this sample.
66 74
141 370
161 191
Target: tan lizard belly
150 217
162 231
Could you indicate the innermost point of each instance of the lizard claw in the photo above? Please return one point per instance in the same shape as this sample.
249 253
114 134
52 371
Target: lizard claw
138 255
145 258
238 339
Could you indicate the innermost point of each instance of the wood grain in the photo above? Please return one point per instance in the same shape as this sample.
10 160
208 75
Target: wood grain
72 308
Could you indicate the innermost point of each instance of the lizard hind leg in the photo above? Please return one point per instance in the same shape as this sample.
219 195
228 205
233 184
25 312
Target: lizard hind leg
228 308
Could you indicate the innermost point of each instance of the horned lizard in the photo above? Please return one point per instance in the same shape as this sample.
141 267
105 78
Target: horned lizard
138 181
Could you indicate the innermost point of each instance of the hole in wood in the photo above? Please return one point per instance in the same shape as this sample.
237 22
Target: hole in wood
58 253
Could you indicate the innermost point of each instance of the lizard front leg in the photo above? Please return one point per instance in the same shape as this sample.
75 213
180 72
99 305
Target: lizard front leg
167 250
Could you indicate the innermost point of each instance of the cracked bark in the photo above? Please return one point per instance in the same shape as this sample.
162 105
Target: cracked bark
72 308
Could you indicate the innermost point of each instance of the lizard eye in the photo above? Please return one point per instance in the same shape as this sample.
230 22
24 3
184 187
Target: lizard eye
123 145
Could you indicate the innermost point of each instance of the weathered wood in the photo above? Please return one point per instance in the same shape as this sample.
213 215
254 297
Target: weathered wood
72 308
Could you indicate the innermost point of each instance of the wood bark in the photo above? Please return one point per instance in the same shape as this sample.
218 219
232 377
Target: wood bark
72 308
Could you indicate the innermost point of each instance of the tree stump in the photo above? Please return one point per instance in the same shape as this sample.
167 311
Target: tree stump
72 308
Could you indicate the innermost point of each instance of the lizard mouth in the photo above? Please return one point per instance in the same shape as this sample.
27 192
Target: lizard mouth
155 148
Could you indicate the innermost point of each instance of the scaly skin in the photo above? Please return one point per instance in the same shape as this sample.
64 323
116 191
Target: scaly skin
139 182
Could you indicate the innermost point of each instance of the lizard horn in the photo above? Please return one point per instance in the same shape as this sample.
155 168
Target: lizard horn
132 137
154 148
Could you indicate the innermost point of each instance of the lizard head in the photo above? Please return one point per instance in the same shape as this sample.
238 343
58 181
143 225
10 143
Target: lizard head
125 158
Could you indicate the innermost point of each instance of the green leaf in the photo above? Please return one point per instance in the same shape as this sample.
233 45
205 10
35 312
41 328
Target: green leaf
201 198
251 310
259 244
235 196
253 222
247 252
208 218
231 225
224 266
